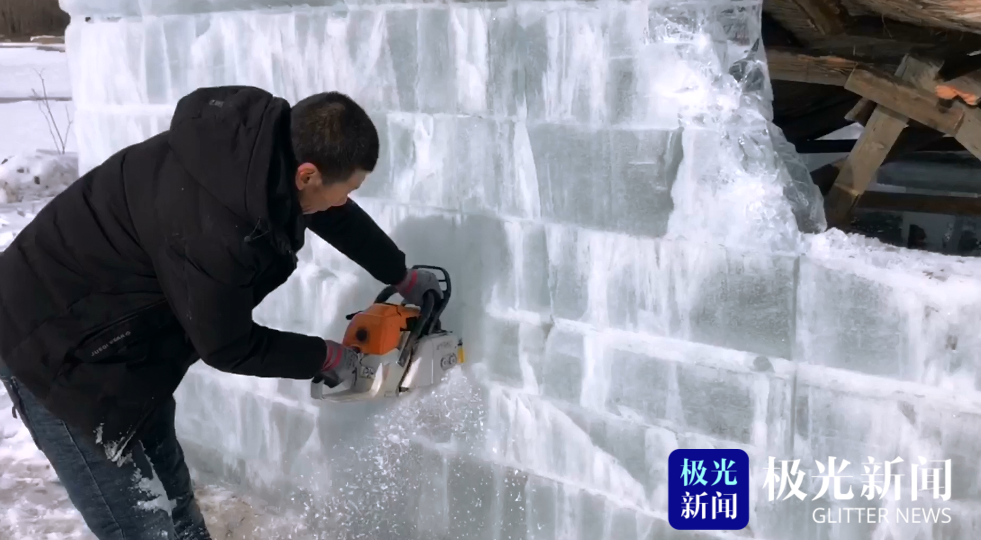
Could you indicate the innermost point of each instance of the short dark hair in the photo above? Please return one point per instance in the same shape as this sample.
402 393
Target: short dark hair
334 133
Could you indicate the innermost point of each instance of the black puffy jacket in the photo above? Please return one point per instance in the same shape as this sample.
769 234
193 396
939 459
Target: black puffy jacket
157 257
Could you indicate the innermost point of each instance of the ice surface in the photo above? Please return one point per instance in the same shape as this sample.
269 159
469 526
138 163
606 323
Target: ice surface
630 241
884 311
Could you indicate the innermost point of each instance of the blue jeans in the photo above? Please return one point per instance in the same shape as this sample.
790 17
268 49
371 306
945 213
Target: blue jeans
147 495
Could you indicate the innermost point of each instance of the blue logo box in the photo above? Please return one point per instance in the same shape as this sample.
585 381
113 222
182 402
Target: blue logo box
708 489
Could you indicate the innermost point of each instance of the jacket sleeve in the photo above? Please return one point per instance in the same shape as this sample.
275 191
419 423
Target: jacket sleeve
352 232
210 292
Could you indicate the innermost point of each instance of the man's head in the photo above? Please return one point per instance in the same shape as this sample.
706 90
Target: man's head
336 145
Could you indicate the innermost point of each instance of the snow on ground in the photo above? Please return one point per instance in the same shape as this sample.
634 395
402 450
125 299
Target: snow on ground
20 65
32 169
33 504
35 177
23 129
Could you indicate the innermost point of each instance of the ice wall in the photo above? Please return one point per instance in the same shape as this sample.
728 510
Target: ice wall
625 230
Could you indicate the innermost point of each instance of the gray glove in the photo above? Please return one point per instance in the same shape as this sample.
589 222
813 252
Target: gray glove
416 283
340 364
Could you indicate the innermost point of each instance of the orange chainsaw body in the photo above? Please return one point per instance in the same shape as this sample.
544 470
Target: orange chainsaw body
378 329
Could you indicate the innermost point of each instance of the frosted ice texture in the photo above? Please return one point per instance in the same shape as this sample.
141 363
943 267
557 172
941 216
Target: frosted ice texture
626 230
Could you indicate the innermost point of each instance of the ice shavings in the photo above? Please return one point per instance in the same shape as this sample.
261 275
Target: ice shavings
151 487
873 259
115 451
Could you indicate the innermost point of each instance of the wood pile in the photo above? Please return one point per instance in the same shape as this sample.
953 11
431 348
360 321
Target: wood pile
908 70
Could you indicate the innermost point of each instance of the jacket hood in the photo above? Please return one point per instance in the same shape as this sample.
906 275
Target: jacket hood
227 136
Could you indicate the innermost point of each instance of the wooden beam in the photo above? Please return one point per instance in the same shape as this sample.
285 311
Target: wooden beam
911 140
878 27
881 133
826 16
863 109
905 98
798 66
861 112
969 133
830 18
929 204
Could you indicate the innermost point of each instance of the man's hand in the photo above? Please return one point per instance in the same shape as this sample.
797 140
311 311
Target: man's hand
340 364
416 283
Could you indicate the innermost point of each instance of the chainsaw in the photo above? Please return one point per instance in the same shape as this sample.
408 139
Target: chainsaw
402 348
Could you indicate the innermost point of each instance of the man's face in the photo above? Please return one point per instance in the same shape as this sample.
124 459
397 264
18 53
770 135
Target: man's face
316 197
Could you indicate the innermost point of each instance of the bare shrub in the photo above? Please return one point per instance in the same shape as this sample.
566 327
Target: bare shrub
44 104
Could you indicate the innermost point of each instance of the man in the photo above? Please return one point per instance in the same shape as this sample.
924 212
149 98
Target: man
156 258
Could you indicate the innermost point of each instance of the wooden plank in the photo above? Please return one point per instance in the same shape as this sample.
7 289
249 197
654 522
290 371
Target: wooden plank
911 140
969 133
881 133
929 204
905 98
859 168
884 28
798 66
826 16
862 110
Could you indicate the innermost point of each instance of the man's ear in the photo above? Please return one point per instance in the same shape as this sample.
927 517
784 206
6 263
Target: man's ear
306 174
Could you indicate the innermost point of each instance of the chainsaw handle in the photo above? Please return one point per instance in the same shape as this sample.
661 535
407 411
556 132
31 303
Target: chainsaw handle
390 290
428 316
429 311
446 280
385 294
